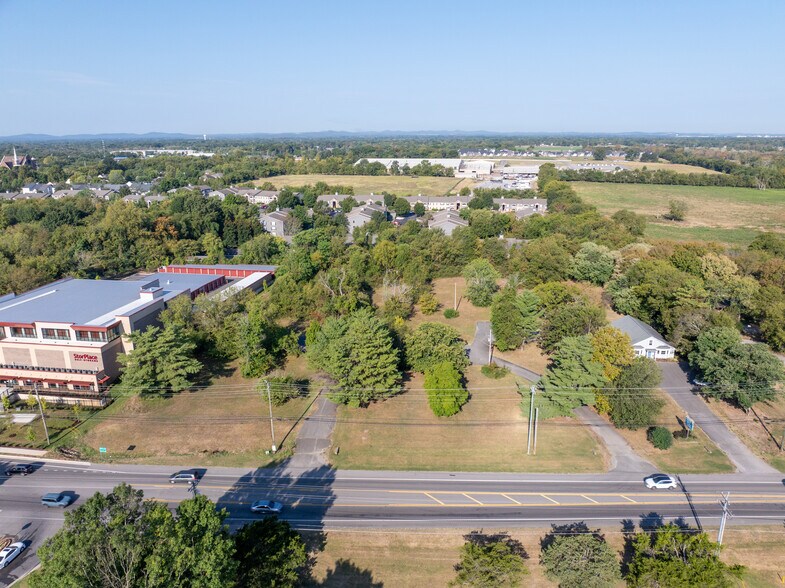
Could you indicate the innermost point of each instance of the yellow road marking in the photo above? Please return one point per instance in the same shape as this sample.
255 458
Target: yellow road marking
470 498
590 499
551 499
509 498
432 498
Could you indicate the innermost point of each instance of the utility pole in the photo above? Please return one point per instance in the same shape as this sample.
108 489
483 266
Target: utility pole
724 503
782 440
536 422
41 408
270 404
455 296
533 390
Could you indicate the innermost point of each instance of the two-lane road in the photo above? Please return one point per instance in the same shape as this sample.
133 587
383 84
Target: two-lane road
321 498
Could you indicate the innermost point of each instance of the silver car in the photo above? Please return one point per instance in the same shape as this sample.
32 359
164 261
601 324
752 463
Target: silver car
661 482
10 553
266 507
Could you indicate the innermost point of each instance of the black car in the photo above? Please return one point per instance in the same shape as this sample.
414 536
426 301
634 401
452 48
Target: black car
21 469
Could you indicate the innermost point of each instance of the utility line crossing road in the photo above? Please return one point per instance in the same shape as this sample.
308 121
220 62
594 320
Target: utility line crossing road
322 498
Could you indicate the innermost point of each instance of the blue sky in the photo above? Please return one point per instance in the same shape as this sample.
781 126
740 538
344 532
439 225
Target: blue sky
91 66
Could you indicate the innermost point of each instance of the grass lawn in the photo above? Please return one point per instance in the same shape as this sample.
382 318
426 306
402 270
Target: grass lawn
489 434
398 185
762 440
223 424
740 237
413 558
696 455
676 167
709 206
58 421
444 289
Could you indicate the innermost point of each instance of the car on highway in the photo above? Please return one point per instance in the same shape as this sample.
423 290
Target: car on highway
56 499
20 469
10 553
266 507
661 482
185 476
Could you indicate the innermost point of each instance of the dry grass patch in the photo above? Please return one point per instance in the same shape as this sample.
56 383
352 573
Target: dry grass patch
226 423
445 291
695 455
529 356
399 185
762 438
489 434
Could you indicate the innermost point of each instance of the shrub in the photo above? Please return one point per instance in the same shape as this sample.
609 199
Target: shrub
660 437
494 371
283 389
428 303
451 313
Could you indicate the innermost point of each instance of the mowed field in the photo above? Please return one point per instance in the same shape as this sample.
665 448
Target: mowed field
489 434
226 423
729 215
398 185
414 558
675 167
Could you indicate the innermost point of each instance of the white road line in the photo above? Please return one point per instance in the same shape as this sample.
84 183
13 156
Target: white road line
589 499
432 498
470 498
548 498
510 498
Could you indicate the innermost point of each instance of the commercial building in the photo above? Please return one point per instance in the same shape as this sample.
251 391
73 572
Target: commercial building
63 338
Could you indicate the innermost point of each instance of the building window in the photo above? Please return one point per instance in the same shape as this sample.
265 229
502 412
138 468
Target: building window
60 334
91 336
26 332
113 333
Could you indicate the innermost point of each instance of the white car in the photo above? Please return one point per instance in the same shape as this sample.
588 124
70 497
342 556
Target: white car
661 482
10 553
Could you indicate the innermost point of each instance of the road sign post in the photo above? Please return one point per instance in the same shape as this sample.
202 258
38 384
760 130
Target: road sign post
689 423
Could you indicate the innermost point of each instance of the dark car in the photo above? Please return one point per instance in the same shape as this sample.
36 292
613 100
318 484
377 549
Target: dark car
56 499
20 469
184 476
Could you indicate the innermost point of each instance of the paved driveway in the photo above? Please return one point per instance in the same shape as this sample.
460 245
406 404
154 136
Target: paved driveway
676 383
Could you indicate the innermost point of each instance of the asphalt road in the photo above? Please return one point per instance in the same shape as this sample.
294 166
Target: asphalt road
322 498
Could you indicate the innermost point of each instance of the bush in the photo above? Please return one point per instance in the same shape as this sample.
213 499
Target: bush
660 437
428 303
283 389
451 313
494 371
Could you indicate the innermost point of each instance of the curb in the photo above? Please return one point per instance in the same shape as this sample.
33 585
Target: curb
18 457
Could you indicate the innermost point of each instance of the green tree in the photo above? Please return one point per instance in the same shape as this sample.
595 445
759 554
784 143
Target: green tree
213 248
677 210
446 393
357 351
548 173
572 377
481 284
419 209
161 361
271 555
428 303
434 343
599 153
581 561
634 223
593 263
490 562
612 349
743 374
515 318
571 320
402 206
633 402
678 558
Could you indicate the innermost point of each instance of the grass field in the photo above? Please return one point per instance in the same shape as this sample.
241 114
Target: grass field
676 167
208 426
762 440
413 558
58 421
731 215
398 185
445 291
489 434
695 455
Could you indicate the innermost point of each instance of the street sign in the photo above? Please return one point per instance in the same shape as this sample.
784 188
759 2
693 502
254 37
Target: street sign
102 449
689 423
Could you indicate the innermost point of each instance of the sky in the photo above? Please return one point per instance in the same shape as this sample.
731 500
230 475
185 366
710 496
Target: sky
237 66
